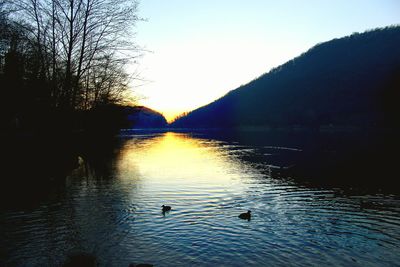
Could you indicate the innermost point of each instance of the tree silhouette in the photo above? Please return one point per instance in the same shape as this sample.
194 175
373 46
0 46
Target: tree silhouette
66 54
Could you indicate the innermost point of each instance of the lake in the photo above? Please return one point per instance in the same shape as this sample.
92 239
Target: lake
110 206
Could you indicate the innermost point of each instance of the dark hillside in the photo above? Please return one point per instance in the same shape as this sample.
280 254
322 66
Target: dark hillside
351 81
143 117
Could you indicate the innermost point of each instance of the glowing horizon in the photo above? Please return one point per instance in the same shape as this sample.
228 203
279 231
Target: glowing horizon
205 49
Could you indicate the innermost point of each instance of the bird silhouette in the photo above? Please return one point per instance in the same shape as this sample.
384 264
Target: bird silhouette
245 216
166 208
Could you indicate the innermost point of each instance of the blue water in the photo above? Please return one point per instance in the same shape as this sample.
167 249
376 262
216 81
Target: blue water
113 210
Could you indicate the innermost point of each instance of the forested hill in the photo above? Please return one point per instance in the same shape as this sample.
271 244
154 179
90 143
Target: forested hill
351 81
144 117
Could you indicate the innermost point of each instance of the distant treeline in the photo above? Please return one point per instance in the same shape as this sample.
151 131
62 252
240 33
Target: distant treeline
348 82
62 62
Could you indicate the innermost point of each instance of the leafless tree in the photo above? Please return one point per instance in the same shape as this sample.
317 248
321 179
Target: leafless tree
82 47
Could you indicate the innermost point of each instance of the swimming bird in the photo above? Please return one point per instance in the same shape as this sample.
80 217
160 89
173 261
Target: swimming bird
166 208
245 216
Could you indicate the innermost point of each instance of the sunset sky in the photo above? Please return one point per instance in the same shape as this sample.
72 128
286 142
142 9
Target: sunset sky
200 50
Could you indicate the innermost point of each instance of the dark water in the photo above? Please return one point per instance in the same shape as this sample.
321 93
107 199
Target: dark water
110 207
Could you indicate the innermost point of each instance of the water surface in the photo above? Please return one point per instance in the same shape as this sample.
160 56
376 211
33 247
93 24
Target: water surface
112 209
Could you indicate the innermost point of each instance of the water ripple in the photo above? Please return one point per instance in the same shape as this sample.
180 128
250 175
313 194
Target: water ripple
207 183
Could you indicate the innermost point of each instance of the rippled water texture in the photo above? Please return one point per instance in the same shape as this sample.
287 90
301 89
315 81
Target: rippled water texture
114 212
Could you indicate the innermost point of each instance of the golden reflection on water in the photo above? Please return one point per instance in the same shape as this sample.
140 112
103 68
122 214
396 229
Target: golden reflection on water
208 183
173 157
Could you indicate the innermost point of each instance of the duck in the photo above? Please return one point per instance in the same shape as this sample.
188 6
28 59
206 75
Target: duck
246 215
166 208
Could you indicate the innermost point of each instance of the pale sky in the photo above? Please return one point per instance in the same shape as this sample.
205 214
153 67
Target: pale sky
200 50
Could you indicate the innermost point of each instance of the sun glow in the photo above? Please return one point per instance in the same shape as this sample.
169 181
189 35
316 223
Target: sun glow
204 71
